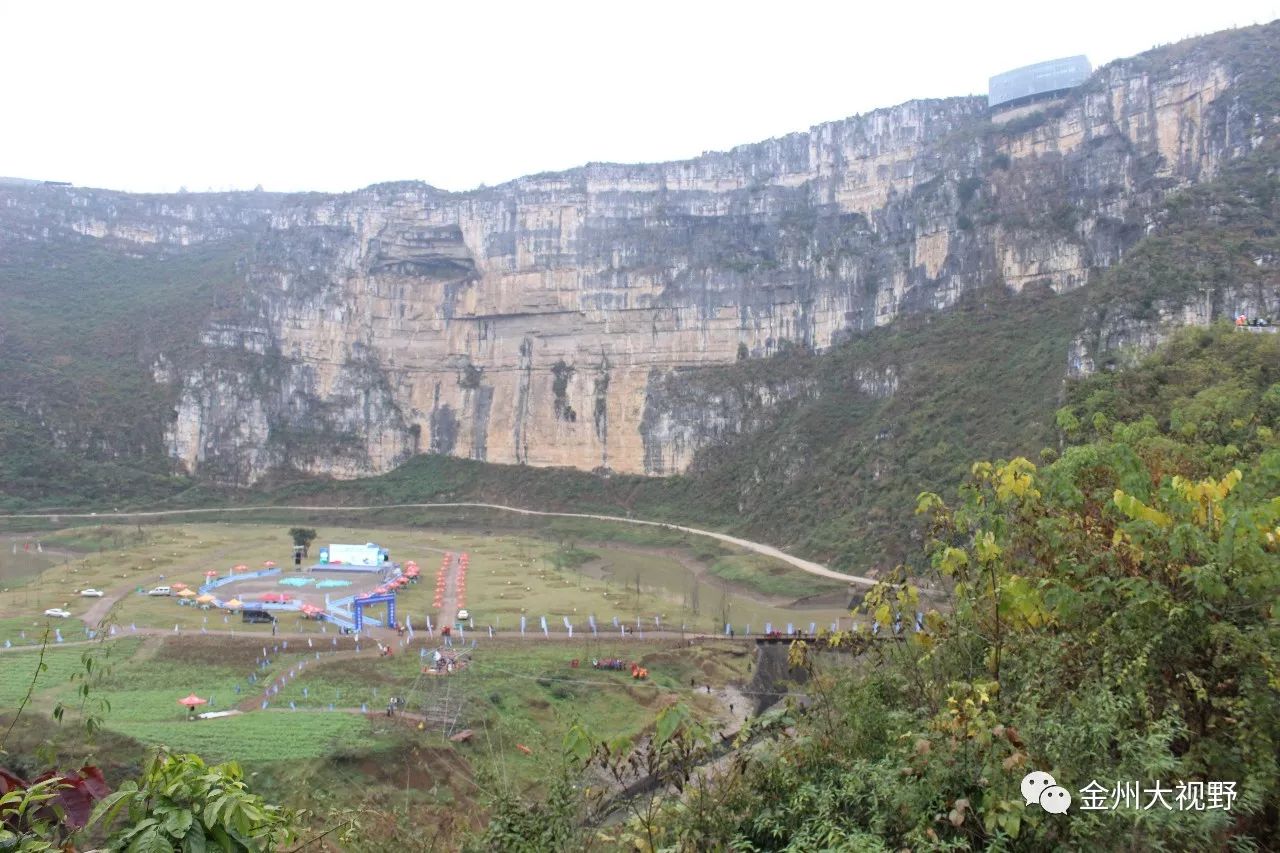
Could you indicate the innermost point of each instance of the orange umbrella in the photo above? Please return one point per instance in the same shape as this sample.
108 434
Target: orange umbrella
179 585
192 701
240 568
233 603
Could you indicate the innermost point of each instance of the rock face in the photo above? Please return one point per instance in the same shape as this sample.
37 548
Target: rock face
553 320
33 211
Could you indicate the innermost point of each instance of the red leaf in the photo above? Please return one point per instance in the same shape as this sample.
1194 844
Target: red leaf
76 794
10 782
94 781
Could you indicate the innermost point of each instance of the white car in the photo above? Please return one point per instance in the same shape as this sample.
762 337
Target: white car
463 615
92 593
58 612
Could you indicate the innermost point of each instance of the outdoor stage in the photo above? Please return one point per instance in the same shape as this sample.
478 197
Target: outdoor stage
380 569
342 584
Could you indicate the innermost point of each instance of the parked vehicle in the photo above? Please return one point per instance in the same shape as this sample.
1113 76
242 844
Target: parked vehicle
92 593
256 616
161 590
463 615
58 612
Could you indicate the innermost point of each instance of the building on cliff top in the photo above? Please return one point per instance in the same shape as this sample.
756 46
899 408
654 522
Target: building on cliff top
1042 81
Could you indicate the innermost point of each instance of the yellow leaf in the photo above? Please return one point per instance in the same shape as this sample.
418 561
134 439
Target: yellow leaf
953 560
987 548
1139 511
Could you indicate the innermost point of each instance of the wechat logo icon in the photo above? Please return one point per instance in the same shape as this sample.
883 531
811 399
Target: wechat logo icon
1040 787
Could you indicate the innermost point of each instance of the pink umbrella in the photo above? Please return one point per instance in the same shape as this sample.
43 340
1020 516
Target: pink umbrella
192 701
211 574
270 564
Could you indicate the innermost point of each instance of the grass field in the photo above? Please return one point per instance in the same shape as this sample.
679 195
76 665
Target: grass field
513 575
312 746
510 574
517 695
18 566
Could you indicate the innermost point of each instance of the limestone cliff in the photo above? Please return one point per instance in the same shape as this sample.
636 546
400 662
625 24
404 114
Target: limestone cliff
554 320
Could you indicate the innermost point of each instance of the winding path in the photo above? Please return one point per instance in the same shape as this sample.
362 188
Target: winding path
758 547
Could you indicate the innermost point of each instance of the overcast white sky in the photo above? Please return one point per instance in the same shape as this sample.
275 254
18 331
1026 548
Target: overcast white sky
151 96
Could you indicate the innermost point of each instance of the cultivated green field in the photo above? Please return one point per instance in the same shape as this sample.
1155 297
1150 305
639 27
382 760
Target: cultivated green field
262 736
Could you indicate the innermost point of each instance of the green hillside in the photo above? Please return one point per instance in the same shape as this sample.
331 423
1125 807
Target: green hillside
1112 617
81 327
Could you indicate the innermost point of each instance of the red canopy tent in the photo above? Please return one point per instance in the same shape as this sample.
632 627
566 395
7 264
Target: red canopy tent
274 596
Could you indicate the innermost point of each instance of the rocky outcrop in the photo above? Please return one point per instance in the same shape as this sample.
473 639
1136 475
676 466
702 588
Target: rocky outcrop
33 211
554 320
562 319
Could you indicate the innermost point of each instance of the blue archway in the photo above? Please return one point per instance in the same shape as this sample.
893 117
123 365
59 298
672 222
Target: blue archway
373 601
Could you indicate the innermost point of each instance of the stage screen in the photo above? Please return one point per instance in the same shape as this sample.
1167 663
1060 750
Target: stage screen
355 555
